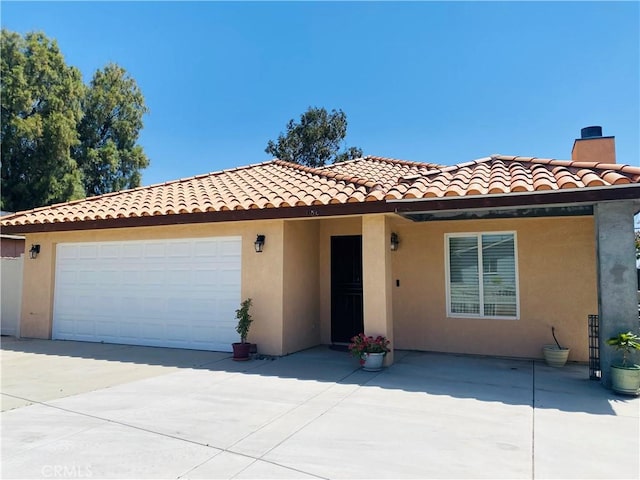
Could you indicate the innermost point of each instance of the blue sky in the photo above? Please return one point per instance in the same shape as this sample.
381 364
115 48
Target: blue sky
427 81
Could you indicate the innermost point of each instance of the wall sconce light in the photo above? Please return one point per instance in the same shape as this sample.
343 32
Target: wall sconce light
259 243
394 242
35 250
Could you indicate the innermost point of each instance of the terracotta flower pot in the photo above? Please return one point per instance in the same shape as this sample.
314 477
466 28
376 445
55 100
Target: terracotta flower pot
241 351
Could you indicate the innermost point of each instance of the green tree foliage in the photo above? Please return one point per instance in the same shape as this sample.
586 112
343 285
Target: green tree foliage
107 154
40 104
350 153
61 139
315 140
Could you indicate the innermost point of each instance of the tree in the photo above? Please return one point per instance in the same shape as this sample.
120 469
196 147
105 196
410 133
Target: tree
107 154
40 109
350 153
59 138
315 140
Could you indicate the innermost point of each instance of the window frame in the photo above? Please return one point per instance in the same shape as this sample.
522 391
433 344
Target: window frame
478 236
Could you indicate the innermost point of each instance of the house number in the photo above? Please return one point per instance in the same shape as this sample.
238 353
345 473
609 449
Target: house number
314 213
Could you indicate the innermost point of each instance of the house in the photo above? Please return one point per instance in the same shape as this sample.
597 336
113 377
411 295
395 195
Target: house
481 257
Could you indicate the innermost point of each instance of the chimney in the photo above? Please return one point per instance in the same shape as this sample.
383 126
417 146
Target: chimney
593 147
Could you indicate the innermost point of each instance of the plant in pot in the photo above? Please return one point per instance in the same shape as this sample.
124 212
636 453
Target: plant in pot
555 355
625 377
241 350
369 350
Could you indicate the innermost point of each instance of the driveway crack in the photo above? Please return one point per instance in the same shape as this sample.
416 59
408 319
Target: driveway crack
304 425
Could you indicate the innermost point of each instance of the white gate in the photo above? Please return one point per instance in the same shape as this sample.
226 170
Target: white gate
11 294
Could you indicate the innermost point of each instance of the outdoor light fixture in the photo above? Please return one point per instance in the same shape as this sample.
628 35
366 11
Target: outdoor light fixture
394 242
35 250
259 243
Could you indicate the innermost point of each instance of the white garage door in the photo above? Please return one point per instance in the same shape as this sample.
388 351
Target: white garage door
179 293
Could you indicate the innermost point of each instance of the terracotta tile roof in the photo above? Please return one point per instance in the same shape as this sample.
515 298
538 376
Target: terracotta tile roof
278 184
501 174
385 171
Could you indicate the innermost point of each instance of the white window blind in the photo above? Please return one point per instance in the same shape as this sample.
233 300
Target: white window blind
482 275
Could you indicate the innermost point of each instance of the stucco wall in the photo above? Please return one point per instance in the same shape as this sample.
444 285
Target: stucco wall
376 276
557 280
258 271
301 321
599 150
291 286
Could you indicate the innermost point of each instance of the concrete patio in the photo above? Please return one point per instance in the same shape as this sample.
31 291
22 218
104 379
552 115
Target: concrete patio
87 410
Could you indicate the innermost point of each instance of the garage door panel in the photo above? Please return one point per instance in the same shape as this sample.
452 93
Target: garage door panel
151 276
154 250
181 293
110 278
206 250
86 277
86 329
65 251
106 328
128 330
179 276
177 333
131 252
109 252
228 247
67 277
87 251
152 331
204 333
65 325
131 278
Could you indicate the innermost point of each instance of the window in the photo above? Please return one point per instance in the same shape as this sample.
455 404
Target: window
482 279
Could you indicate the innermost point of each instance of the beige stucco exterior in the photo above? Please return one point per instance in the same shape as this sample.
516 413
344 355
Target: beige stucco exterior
376 276
557 285
301 292
404 291
262 274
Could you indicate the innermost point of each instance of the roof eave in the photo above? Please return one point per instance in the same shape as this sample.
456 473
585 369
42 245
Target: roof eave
547 197
519 199
315 211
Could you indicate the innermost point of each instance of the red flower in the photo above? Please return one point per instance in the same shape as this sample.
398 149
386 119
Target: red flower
361 344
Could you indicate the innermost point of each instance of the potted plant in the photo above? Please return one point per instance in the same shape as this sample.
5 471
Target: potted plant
555 355
242 349
625 377
369 350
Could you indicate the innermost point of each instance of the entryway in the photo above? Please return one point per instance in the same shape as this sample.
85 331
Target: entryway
346 288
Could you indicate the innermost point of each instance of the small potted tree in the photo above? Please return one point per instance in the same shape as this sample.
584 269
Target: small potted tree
625 377
242 349
555 355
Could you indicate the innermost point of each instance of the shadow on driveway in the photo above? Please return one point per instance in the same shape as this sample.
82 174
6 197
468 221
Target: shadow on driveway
41 370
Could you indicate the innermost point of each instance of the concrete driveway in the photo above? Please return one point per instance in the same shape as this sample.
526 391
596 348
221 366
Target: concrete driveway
82 410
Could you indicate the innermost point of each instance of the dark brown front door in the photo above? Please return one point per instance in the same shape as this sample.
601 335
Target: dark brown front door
346 288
